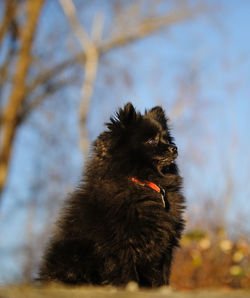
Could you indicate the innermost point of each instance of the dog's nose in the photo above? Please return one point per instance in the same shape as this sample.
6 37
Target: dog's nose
173 149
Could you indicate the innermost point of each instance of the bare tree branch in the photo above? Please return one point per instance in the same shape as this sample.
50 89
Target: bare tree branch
8 25
129 28
8 15
90 66
51 89
146 27
91 51
10 114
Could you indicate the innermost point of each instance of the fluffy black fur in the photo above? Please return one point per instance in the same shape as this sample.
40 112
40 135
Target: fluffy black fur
114 230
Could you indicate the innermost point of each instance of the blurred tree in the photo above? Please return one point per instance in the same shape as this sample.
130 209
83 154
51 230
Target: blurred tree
21 34
24 86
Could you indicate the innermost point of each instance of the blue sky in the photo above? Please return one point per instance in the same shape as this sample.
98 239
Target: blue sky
212 134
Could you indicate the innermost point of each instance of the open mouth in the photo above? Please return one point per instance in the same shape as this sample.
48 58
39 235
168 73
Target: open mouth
164 164
167 160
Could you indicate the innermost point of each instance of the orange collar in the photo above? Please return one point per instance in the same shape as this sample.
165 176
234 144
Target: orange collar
149 184
153 186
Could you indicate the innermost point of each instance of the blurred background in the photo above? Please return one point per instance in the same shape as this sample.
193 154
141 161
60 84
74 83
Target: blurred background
66 66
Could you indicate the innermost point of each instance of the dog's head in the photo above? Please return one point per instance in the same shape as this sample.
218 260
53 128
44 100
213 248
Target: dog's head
136 142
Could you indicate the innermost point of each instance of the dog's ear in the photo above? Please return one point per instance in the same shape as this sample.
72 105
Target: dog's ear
158 114
127 115
124 118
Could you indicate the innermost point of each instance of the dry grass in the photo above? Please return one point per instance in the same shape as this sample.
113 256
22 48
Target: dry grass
132 291
207 260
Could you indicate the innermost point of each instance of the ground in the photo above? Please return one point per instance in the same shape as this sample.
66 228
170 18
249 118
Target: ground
132 291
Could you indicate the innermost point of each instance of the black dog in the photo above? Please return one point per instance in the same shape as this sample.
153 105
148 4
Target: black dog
125 218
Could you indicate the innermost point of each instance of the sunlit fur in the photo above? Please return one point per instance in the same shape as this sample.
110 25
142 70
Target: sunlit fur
113 230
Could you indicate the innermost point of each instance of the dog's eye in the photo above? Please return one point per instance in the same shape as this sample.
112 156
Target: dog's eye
152 142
